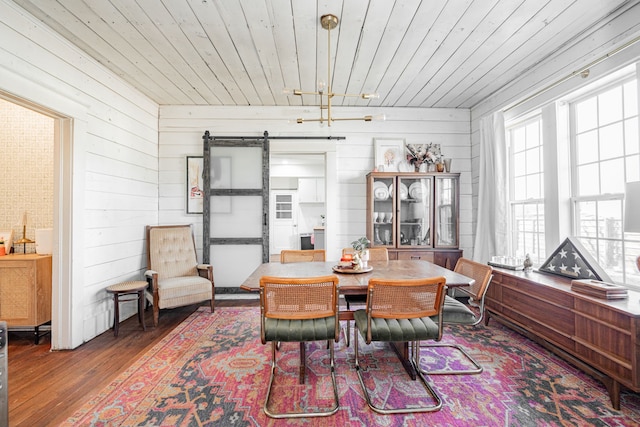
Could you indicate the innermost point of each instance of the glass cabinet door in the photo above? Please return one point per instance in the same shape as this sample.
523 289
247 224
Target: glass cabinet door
382 220
414 200
446 212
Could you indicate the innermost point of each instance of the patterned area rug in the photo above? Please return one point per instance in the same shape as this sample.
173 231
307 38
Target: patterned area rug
212 370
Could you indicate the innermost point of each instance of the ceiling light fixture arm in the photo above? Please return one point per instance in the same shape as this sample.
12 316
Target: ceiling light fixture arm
329 22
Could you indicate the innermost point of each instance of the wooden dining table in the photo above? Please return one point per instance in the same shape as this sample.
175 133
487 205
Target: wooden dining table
356 283
353 283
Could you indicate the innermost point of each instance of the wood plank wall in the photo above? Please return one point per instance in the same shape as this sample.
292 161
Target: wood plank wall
182 127
113 162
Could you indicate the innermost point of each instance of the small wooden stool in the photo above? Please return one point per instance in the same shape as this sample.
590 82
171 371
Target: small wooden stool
127 288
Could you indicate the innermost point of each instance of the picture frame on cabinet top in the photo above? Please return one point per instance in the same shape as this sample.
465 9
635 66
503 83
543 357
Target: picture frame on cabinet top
389 153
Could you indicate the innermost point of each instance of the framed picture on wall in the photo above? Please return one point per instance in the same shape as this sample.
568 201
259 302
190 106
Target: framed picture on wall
195 189
389 154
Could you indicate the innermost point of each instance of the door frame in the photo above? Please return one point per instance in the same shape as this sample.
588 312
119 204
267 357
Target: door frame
70 122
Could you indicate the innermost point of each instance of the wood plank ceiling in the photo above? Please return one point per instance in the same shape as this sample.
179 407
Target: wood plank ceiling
414 53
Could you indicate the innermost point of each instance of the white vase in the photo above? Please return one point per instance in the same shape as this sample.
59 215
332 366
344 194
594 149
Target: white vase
364 256
424 167
447 165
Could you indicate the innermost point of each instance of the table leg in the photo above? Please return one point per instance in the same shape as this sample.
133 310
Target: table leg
400 348
348 316
402 351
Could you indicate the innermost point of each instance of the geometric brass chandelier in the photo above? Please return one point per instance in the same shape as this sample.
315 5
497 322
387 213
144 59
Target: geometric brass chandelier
329 22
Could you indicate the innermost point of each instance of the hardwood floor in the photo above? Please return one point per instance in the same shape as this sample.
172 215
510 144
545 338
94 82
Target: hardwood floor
46 387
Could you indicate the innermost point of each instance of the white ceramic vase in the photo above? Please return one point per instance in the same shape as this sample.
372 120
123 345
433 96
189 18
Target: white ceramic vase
364 256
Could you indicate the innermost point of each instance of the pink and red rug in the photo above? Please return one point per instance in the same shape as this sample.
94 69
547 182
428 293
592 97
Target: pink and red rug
212 370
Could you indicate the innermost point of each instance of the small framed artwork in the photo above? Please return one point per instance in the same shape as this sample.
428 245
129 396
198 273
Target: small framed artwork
389 154
195 191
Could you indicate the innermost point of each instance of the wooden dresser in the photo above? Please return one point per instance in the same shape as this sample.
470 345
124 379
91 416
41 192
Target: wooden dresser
600 336
25 290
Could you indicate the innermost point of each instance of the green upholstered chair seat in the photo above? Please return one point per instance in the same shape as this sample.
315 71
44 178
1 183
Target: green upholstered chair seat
417 329
454 311
300 330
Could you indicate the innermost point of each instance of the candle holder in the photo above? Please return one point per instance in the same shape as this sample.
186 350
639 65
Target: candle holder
24 239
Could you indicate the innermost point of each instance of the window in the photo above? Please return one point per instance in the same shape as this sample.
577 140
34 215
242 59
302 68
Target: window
284 206
595 133
526 184
605 154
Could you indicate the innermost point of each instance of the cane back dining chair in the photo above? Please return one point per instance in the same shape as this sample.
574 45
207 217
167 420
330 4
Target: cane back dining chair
174 275
375 254
401 311
299 310
456 313
305 255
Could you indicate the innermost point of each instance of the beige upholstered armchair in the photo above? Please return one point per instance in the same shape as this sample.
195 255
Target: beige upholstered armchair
174 275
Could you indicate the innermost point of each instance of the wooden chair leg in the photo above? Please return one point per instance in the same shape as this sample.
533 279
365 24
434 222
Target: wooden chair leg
156 315
116 314
141 300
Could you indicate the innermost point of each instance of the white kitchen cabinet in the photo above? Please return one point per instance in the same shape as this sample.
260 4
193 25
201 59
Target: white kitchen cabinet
310 190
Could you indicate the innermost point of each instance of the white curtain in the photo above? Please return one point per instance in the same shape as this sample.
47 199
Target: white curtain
492 223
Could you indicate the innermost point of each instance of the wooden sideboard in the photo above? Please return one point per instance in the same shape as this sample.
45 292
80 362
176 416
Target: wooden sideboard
25 290
601 337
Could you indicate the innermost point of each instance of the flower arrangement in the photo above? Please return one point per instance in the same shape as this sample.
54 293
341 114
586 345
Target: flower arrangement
360 254
361 244
418 154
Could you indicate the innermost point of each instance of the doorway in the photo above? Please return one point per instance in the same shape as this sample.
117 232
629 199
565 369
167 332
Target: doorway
61 138
27 143
297 199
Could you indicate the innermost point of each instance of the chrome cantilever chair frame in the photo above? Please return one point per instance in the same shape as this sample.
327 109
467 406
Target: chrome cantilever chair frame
291 308
455 312
411 306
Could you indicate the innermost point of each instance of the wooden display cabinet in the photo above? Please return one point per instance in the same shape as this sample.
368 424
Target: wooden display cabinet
415 215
